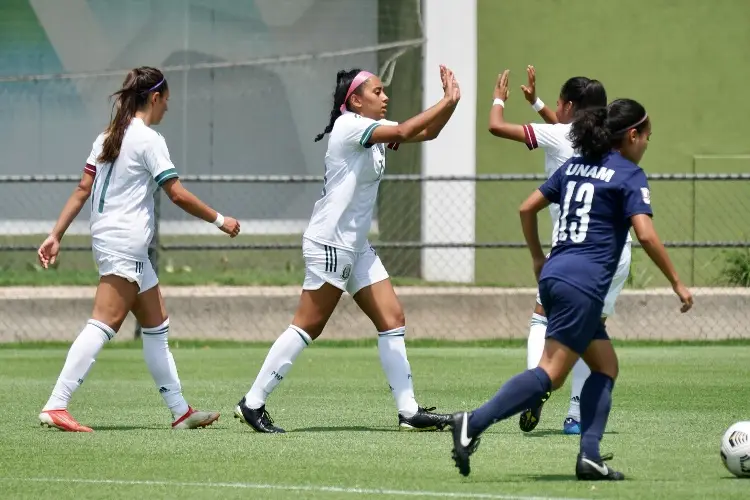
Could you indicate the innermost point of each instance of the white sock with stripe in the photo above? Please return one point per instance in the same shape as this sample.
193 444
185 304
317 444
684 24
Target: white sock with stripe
78 363
163 369
278 362
580 373
537 336
392 349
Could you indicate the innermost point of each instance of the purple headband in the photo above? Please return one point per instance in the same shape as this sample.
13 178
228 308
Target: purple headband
645 117
155 86
361 77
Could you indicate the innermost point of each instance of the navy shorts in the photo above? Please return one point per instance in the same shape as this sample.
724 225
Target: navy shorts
573 318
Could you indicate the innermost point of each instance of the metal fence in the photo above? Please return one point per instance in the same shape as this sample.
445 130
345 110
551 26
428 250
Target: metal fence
451 286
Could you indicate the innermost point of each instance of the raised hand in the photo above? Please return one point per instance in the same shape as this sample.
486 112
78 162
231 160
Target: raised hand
501 86
450 85
529 90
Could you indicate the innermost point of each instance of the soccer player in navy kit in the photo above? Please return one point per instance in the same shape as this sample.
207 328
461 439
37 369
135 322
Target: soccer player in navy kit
602 193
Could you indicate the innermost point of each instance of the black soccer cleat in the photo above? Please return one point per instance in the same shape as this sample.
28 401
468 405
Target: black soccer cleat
463 445
530 417
424 420
258 419
592 470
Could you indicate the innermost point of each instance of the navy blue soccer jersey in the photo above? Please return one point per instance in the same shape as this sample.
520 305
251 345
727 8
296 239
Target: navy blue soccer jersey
596 203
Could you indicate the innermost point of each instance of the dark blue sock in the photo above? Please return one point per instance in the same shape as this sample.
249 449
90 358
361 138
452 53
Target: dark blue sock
525 390
596 402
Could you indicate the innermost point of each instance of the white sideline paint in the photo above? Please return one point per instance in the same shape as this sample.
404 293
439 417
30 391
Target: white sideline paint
282 487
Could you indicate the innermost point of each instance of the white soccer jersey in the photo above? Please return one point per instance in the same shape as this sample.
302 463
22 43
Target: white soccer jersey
122 199
554 139
342 216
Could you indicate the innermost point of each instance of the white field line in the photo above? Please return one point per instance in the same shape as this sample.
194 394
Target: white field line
281 487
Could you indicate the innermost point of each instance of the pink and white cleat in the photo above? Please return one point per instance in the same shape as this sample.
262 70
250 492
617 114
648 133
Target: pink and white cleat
61 419
194 419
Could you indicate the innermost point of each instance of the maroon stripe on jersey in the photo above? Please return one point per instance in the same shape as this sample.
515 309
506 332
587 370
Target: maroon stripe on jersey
528 132
393 145
90 169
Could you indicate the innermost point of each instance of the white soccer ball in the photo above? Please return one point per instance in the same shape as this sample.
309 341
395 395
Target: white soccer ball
735 449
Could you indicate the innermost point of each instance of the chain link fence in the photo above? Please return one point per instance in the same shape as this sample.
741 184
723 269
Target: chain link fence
247 288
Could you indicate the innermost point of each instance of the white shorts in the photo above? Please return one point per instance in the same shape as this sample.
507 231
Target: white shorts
618 282
139 272
346 270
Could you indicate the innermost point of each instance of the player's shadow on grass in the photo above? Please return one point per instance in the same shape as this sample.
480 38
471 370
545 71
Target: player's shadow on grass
525 478
552 478
129 428
358 428
556 432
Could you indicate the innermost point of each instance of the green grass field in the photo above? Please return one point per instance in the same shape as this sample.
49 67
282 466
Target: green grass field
671 406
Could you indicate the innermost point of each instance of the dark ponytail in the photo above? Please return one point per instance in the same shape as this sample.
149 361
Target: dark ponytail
584 93
589 133
343 80
139 84
596 131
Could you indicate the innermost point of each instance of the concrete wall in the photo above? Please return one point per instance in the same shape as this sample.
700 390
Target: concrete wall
261 314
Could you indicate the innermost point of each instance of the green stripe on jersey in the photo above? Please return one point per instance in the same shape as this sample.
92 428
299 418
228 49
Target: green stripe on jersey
163 177
368 133
104 188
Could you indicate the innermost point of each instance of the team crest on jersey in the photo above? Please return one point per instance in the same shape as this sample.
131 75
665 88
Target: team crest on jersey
346 272
646 196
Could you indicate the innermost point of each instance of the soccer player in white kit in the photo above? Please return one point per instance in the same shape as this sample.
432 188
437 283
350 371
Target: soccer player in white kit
576 94
338 256
127 164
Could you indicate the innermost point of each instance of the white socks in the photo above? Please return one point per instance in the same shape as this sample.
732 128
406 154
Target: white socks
392 351
580 373
537 335
278 362
81 357
534 352
294 340
161 364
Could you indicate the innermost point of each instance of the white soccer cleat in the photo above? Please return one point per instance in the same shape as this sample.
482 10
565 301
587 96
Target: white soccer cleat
194 419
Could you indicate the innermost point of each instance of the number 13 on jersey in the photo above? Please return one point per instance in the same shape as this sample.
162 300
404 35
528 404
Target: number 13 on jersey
576 229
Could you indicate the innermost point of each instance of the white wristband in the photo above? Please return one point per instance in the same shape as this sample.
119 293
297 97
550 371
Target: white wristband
538 105
498 101
219 220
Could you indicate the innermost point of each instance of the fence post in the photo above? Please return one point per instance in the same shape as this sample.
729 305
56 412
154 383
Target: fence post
153 248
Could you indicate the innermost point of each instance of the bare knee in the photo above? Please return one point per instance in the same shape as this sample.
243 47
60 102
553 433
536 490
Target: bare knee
313 328
392 321
380 303
556 373
149 309
612 371
601 357
315 308
558 380
114 298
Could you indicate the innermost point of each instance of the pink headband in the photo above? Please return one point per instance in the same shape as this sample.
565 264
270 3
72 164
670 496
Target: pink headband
645 117
361 77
